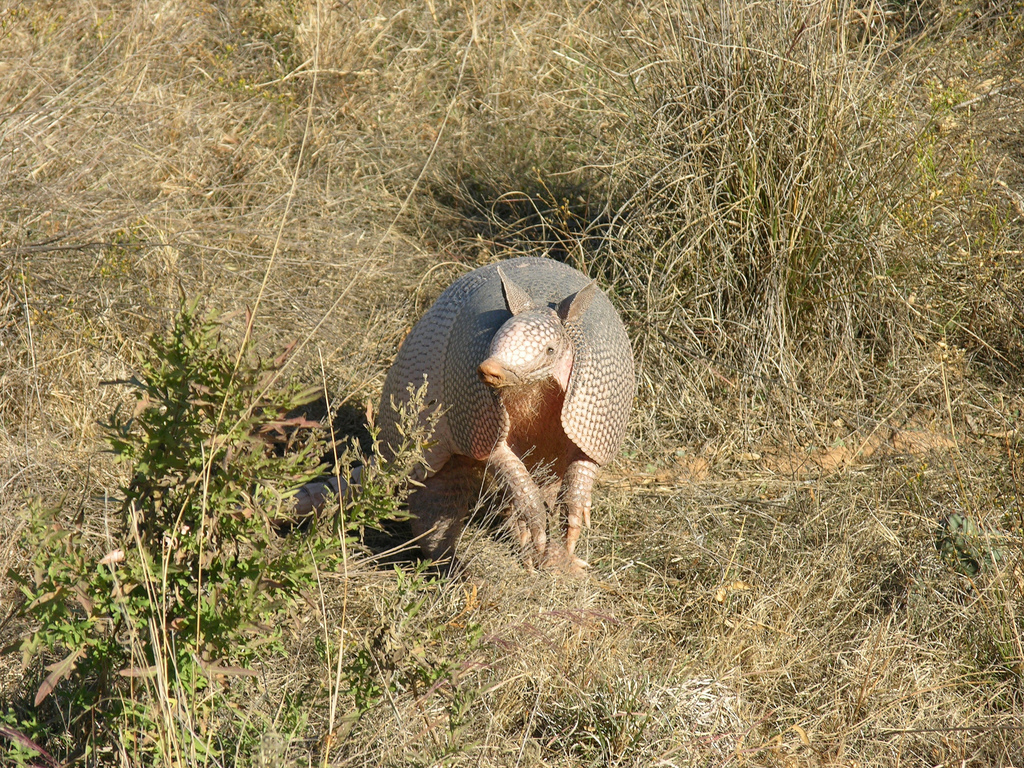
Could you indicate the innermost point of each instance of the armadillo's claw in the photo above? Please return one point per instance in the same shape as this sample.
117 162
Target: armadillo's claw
559 560
576 569
526 543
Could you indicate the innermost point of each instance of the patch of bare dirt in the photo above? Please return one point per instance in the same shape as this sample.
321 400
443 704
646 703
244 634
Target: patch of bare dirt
884 442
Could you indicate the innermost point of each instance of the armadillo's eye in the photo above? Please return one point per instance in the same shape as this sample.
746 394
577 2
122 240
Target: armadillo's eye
551 351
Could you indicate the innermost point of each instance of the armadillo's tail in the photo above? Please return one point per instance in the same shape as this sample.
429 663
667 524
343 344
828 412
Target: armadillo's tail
311 497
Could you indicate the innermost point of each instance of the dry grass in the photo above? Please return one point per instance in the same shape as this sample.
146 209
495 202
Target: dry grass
811 215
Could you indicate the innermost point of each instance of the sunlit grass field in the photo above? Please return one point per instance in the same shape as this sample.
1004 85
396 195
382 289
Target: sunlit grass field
810 216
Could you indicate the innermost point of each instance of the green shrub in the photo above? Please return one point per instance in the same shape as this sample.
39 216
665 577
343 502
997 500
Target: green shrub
194 581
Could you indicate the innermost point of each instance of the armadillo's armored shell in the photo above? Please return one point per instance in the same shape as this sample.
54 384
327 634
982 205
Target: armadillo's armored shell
476 419
422 355
453 338
601 386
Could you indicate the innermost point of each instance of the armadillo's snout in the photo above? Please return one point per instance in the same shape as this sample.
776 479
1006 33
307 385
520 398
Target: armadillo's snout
492 373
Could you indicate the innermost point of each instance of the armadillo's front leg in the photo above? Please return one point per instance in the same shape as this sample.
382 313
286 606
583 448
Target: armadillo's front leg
575 498
529 515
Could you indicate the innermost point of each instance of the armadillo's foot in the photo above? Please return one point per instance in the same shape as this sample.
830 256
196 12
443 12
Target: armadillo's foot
574 499
532 537
560 560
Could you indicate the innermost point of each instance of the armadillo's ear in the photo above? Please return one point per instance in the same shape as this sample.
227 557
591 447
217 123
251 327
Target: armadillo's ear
516 299
571 308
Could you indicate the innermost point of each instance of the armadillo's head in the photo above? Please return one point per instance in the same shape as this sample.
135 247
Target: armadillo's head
533 345
530 347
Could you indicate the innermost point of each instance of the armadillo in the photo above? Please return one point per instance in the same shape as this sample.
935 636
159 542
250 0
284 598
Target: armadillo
529 376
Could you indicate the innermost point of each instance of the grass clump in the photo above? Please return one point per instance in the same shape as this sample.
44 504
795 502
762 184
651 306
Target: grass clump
768 153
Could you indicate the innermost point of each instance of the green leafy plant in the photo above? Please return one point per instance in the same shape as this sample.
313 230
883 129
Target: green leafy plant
193 580
968 547
22 734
